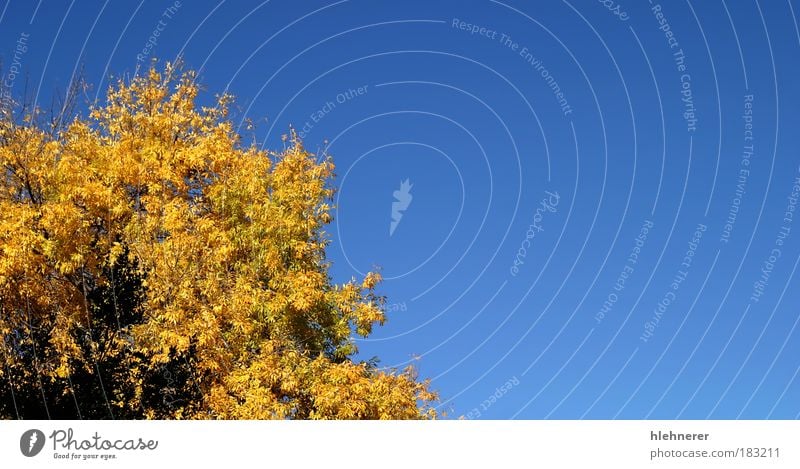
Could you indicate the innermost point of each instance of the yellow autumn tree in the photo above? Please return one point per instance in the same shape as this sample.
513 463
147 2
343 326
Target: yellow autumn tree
153 263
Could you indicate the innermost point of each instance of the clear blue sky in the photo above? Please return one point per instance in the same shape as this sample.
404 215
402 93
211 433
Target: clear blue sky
559 128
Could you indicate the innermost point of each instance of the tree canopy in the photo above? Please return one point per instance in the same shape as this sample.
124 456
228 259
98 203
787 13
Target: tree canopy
154 266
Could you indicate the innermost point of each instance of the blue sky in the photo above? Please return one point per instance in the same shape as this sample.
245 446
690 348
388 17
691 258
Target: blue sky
595 218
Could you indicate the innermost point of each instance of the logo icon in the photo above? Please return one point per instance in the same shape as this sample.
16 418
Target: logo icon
402 201
31 442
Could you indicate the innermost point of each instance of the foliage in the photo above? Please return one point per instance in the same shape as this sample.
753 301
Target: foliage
151 265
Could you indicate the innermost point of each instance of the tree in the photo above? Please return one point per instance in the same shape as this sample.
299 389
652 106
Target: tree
152 265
